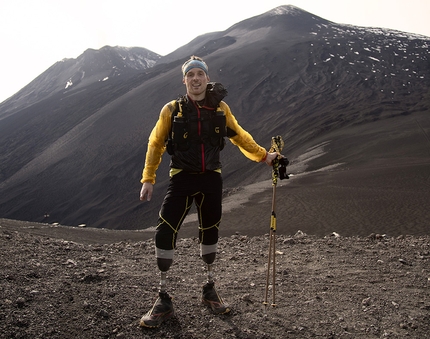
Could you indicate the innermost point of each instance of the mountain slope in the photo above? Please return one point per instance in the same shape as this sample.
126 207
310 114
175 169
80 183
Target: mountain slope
77 154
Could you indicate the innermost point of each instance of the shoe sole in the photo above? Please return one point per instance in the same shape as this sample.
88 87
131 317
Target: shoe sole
167 317
208 303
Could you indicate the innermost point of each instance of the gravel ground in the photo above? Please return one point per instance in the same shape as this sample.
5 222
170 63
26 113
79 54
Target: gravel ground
57 285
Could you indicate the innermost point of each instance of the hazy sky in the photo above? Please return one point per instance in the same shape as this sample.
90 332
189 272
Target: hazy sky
34 34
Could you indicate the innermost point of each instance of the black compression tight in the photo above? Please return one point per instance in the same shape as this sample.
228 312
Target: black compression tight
205 190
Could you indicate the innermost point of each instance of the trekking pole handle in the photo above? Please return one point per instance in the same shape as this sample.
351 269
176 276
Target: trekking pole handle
276 146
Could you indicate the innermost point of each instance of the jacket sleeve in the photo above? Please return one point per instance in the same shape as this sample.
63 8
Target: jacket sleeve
157 143
242 138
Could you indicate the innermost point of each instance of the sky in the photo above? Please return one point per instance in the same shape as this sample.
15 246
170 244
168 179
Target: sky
34 34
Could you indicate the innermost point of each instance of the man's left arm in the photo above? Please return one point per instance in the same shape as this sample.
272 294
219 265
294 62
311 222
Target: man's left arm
242 139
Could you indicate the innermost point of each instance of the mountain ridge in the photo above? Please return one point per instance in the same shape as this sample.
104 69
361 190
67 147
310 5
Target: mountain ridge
91 66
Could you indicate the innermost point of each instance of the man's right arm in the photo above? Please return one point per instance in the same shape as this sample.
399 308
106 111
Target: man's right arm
157 144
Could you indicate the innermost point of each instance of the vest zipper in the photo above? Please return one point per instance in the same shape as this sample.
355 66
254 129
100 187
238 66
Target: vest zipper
199 126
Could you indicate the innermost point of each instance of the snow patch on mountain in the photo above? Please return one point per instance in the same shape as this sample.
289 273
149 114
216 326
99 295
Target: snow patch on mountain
291 10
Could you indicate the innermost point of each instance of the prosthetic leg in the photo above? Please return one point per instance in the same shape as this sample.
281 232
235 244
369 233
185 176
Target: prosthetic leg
209 259
210 296
163 307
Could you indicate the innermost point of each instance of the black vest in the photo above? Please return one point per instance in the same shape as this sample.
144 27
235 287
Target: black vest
196 137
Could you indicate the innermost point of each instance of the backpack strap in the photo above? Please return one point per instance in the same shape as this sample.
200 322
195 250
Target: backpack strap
178 116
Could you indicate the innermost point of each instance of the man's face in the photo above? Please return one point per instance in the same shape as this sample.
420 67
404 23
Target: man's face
196 81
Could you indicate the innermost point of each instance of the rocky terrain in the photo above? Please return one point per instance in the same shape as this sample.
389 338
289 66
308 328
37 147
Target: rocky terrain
67 282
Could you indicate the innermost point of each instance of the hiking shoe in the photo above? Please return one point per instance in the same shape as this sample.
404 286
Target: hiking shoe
161 311
211 298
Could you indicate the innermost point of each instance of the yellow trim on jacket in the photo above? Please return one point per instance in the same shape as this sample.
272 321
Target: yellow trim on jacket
160 133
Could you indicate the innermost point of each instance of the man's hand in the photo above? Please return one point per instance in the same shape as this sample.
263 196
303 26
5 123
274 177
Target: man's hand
146 191
270 157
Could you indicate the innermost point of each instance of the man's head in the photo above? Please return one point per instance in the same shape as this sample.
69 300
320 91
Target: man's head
195 77
194 62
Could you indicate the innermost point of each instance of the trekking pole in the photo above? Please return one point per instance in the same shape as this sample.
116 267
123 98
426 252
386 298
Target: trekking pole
276 146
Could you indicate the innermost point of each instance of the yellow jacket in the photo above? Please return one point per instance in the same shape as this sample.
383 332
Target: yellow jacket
160 133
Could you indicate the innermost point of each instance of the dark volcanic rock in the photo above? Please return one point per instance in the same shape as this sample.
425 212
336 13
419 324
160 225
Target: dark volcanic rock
328 287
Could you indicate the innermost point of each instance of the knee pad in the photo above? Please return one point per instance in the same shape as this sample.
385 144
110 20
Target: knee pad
208 252
164 264
209 258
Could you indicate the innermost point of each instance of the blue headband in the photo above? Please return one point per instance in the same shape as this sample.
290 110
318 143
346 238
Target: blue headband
194 64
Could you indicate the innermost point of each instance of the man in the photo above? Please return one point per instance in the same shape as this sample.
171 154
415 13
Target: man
195 137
